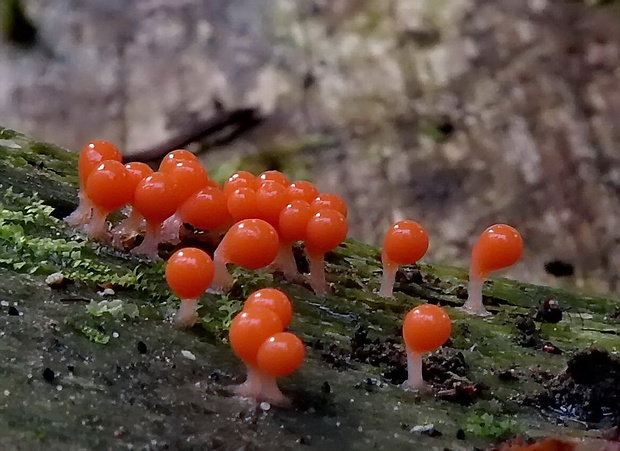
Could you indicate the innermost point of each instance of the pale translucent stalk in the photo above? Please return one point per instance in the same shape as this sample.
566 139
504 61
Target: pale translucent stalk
81 215
414 370
149 248
97 228
474 304
285 262
186 316
222 280
389 276
171 229
317 274
128 227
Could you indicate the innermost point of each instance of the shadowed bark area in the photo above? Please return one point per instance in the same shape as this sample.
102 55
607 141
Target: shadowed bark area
86 371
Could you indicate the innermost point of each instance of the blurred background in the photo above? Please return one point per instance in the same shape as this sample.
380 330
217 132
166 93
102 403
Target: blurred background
457 114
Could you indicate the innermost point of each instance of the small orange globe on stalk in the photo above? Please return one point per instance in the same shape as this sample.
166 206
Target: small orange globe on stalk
156 199
251 243
136 171
273 299
189 272
91 156
109 188
240 179
405 243
425 329
498 247
324 232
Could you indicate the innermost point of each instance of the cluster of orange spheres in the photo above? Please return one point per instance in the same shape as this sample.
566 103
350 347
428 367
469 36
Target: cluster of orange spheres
261 217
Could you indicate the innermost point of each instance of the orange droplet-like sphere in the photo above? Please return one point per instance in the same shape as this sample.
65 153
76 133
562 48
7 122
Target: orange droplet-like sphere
270 201
325 231
281 354
109 186
426 328
498 247
276 176
242 204
250 329
205 209
405 242
294 221
189 272
156 197
136 171
251 243
92 154
175 156
188 175
327 200
272 299
240 179
302 190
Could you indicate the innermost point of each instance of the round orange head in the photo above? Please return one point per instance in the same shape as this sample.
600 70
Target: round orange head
242 204
94 153
498 247
332 201
108 186
189 176
156 197
294 221
405 242
325 231
175 156
205 209
250 329
251 243
281 354
272 299
189 272
276 176
136 171
426 327
270 201
240 179
302 190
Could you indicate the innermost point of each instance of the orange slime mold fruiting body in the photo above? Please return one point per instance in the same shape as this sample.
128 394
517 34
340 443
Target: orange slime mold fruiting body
326 200
280 355
109 188
324 232
425 329
251 243
242 204
270 201
276 176
205 209
136 171
240 179
405 243
189 272
301 190
189 177
498 247
174 157
156 199
273 299
292 225
91 155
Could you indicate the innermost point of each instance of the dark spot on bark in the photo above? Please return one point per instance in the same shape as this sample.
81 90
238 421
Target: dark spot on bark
48 375
142 349
13 311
